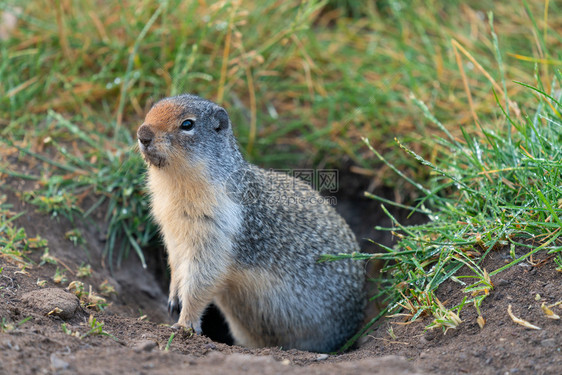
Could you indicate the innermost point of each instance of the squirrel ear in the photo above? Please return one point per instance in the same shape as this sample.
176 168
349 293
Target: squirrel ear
222 118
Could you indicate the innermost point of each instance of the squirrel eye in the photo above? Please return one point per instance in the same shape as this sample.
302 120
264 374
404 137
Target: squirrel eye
187 125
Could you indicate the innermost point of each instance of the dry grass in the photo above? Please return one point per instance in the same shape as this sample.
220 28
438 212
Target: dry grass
303 83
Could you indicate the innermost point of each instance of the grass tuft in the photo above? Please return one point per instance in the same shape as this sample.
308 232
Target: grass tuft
492 185
486 192
15 245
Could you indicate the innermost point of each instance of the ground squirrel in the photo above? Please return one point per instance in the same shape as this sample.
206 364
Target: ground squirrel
245 238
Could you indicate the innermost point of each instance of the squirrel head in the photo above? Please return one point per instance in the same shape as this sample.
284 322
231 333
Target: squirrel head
188 131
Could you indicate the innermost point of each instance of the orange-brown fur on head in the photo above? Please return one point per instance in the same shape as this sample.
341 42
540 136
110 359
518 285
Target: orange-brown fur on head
166 116
161 129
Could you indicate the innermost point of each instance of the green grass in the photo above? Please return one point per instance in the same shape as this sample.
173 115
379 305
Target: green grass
302 88
169 342
6 326
497 186
15 244
115 178
307 71
500 189
95 329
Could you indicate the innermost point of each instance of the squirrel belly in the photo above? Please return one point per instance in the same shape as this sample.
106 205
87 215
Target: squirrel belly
245 238
197 223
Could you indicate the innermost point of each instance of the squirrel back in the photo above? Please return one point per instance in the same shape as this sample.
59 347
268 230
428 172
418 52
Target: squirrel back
245 238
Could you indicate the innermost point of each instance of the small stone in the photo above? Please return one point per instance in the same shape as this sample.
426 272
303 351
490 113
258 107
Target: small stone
144 346
210 346
548 343
286 362
8 345
428 336
57 363
322 357
53 300
502 282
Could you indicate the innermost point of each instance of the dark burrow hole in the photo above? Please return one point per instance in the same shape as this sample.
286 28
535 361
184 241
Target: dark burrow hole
214 326
361 213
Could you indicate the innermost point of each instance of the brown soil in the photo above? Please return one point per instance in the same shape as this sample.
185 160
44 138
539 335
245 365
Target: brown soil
501 346
138 338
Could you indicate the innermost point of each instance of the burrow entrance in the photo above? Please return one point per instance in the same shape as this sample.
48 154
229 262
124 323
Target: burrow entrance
361 213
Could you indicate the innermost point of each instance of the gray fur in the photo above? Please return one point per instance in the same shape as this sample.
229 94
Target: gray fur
323 303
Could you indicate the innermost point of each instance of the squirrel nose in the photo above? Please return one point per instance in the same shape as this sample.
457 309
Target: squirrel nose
145 135
145 141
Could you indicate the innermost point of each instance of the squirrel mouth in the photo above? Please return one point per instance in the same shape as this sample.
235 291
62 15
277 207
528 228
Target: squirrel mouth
154 159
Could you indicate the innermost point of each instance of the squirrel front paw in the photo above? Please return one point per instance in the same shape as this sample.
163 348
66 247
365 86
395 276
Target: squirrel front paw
174 307
196 327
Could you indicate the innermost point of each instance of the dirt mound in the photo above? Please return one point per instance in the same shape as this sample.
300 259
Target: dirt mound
52 301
